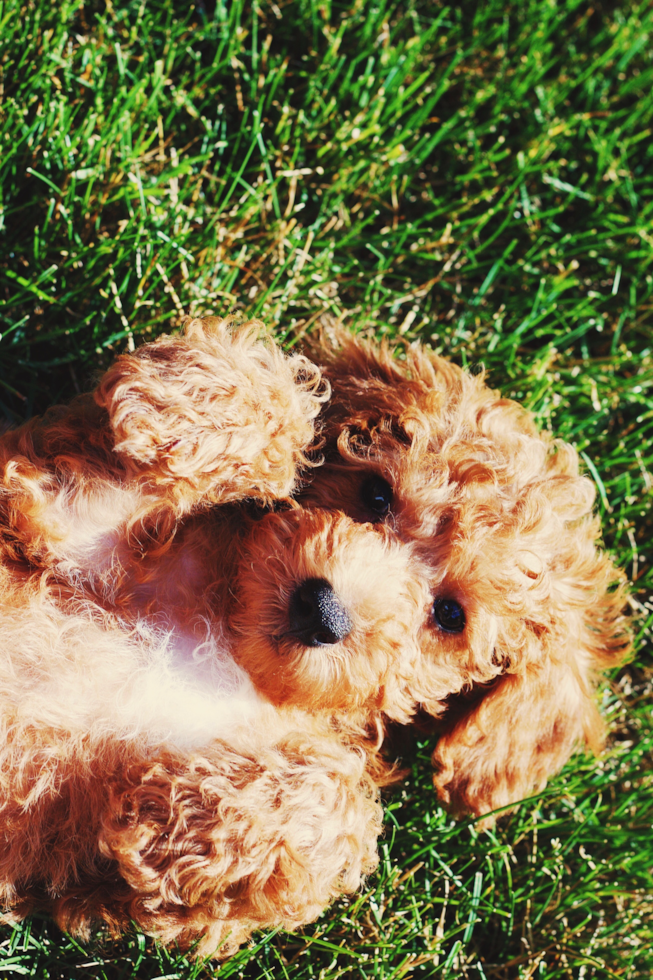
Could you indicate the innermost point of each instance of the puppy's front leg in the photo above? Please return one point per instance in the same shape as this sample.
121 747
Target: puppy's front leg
212 416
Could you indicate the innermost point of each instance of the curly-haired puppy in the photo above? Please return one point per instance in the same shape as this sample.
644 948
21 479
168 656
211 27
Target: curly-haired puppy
205 625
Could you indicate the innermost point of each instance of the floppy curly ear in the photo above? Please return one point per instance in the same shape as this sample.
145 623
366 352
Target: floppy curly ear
522 731
522 728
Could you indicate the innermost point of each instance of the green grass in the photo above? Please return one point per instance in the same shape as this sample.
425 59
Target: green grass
479 176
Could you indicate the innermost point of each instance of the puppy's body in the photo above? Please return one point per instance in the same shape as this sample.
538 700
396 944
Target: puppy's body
194 684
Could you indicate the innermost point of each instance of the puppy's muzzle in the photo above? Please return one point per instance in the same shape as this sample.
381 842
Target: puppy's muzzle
317 616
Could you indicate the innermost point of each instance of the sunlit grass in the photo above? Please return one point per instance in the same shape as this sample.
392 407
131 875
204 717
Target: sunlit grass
478 176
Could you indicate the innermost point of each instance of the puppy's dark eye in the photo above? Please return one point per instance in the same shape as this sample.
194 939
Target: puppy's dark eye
376 494
449 615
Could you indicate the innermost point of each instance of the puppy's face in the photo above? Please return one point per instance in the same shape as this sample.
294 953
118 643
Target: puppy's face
497 524
459 480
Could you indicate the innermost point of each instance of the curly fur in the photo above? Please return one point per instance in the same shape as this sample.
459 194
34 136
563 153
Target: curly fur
174 750
500 520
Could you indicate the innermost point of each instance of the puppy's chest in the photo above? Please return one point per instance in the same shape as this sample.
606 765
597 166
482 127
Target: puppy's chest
186 688
145 651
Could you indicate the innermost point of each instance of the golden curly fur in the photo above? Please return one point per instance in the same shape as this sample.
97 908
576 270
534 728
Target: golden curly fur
224 572
498 518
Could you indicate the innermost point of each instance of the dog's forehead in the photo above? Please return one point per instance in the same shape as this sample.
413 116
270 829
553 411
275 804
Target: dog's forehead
425 416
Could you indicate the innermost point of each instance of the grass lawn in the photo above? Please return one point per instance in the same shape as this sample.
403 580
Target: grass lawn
479 176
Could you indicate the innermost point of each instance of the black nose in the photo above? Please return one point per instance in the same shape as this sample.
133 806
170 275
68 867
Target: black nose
317 616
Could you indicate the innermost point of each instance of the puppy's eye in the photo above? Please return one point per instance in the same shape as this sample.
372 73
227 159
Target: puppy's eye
376 494
449 615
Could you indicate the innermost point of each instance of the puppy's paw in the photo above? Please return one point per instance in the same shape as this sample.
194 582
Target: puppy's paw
217 846
214 415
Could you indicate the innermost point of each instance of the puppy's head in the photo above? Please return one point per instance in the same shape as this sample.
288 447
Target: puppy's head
523 608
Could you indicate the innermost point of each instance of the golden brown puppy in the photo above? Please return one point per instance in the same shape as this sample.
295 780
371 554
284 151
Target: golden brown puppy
203 632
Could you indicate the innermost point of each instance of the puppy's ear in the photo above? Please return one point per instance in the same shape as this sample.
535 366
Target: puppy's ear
522 728
559 619
514 737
